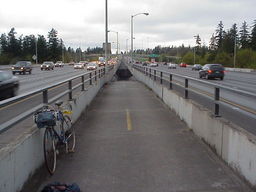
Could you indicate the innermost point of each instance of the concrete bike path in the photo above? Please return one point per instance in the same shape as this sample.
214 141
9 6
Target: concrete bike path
128 140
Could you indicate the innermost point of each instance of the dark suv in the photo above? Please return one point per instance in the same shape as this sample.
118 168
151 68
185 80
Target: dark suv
212 71
22 67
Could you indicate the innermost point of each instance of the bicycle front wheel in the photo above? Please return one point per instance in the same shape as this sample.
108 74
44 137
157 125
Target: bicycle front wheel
70 134
49 150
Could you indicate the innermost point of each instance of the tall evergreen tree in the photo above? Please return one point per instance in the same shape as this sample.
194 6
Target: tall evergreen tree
213 43
244 36
3 43
53 45
219 35
230 39
42 50
253 36
14 46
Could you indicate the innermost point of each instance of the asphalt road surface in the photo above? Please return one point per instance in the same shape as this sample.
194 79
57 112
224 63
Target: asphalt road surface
39 79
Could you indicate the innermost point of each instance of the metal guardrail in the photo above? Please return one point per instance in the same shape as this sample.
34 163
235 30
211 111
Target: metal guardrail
164 76
85 77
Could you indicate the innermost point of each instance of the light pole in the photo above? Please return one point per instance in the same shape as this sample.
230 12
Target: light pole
195 51
106 32
116 40
127 45
132 31
235 53
36 51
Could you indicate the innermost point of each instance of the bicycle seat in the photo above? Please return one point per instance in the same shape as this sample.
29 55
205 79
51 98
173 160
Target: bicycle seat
59 103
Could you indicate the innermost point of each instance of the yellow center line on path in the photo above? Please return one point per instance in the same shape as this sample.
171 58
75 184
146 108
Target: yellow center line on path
128 120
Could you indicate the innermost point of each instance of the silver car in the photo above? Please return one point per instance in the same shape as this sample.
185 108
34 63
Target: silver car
172 66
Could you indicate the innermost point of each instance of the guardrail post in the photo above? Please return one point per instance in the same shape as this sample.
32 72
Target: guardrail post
161 77
217 98
186 88
99 73
150 73
82 83
146 71
154 74
90 78
95 75
170 81
45 96
70 90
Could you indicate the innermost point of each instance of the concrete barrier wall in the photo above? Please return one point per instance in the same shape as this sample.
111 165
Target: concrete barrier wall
20 158
233 144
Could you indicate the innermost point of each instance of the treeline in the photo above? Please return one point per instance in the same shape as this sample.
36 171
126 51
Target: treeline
223 47
50 48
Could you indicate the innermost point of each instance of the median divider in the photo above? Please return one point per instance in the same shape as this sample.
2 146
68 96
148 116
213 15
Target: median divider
233 144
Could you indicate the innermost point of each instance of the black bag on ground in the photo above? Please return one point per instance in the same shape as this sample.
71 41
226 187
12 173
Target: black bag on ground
60 187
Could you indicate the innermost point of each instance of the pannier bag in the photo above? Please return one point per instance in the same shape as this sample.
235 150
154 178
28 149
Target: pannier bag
59 187
45 119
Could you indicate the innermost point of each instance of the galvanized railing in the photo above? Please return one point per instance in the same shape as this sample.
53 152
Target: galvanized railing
168 78
87 77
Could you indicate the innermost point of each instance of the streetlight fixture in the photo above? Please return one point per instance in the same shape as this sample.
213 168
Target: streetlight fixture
132 30
116 40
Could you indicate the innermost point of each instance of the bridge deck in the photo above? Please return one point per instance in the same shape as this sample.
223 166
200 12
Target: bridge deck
129 141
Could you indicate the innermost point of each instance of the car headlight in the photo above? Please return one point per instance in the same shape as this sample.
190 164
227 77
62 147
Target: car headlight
41 65
12 67
21 68
47 66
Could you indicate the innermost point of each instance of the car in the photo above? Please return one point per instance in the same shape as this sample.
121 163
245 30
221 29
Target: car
183 65
80 65
9 85
101 63
22 67
47 65
172 66
144 64
212 71
59 64
153 65
91 66
71 63
197 67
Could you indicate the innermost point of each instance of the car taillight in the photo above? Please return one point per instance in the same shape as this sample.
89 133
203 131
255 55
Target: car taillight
209 71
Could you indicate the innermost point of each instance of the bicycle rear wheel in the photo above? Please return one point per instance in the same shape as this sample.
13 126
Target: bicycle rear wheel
70 134
49 150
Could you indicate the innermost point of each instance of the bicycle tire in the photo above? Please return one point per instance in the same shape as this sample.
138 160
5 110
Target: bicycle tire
70 134
49 150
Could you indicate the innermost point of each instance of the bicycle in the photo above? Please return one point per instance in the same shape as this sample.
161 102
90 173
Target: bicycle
47 118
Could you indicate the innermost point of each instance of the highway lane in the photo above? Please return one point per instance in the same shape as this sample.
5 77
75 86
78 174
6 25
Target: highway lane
238 80
39 79
235 113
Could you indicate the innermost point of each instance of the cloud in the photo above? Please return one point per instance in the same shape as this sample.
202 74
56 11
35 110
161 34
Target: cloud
82 22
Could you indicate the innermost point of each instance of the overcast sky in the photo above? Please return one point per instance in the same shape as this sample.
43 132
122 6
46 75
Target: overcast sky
82 22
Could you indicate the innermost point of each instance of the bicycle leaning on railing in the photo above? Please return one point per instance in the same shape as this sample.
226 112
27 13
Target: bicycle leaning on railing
48 117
